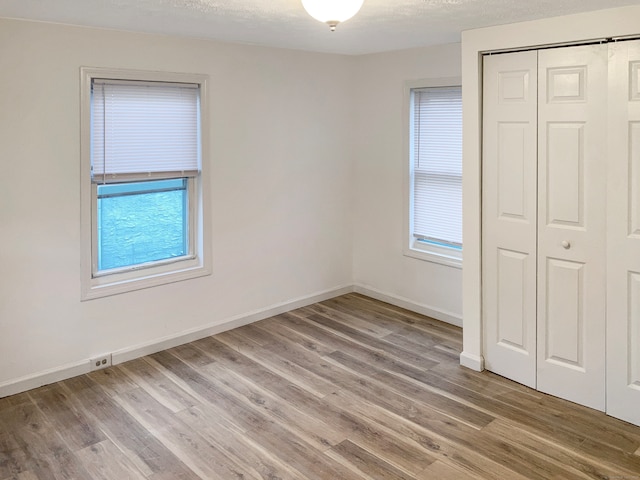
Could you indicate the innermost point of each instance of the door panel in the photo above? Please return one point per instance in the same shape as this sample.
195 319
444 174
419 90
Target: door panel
512 275
623 233
634 178
633 320
565 174
511 166
571 223
565 313
566 84
510 215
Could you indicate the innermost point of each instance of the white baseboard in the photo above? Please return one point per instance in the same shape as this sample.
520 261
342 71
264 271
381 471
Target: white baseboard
474 362
165 343
402 302
39 379
64 372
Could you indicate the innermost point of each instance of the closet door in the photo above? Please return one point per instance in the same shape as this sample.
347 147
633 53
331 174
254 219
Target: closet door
623 228
510 215
572 160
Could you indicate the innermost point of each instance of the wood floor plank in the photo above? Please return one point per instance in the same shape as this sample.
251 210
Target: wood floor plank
46 454
444 471
13 458
406 316
113 380
75 428
192 355
367 462
346 389
409 341
429 430
259 396
570 460
104 461
27 476
281 332
233 409
365 326
289 340
369 432
301 455
332 341
286 350
485 383
199 455
462 435
146 375
363 306
289 370
342 310
256 457
611 432
138 444
292 393
312 430
15 400
355 335
455 409
347 424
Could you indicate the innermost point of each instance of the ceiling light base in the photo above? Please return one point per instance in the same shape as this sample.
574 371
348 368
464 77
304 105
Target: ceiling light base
332 25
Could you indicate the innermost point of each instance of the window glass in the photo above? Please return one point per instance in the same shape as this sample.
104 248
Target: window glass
141 222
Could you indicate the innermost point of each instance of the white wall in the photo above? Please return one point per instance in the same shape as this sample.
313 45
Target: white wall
306 155
281 178
572 28
380 268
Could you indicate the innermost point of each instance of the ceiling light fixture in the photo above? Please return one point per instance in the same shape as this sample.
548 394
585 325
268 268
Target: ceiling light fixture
332 12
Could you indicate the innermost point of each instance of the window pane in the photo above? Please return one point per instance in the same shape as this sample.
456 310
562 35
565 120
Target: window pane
438 209
437 165
141 222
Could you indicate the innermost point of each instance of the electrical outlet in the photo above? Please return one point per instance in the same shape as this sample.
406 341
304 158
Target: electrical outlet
98 363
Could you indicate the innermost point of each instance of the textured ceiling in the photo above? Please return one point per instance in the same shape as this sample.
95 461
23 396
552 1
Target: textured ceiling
381 25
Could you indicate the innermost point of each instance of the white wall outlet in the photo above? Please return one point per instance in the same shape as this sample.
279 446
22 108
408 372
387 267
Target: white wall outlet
98 363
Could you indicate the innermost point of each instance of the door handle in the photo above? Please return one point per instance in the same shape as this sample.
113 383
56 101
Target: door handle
566 244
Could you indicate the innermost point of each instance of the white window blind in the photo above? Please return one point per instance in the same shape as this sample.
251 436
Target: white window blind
437 165
144 130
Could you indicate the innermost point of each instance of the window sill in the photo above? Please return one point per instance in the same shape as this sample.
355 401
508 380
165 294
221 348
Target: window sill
117 283
434 254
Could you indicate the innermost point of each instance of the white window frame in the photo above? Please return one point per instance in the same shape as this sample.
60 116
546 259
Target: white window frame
412 247
198 264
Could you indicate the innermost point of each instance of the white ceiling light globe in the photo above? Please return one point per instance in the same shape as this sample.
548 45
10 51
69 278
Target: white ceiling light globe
332 12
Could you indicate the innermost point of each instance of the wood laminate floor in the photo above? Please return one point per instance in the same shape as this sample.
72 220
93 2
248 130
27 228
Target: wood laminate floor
346 389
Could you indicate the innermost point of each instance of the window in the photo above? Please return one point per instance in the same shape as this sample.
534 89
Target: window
434 214
143 221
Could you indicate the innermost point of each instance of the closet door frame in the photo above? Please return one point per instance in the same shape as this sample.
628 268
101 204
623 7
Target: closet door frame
562 30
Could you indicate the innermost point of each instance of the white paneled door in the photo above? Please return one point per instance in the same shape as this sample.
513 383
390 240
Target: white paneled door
544 219
572 168
623 233
510 215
